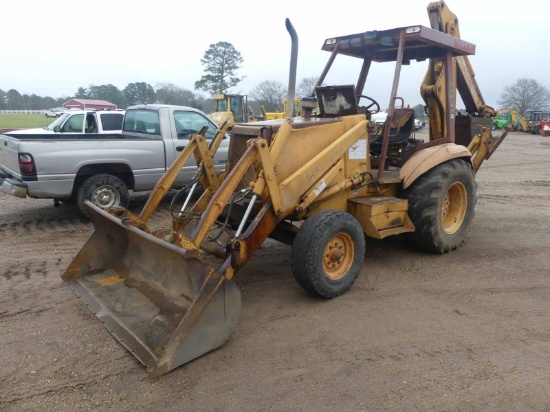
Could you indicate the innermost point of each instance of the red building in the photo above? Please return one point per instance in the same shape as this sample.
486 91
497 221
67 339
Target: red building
89 104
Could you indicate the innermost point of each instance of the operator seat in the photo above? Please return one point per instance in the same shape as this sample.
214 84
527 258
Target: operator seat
401 139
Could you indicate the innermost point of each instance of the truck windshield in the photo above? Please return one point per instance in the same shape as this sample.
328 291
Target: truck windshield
58 122
142 121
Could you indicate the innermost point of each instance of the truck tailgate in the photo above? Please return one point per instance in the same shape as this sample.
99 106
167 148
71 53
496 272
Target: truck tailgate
9 157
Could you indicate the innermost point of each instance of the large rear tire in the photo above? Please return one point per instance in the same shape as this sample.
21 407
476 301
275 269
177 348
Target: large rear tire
327 253
441 206
104 191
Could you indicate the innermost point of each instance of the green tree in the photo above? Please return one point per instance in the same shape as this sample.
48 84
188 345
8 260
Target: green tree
220 62
3 99
269 94
49 102
60 101
419 112
14 100
81 93
525 94
107 92
139 93
306 87
168 93
35 102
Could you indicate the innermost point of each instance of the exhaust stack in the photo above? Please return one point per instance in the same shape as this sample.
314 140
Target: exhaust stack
293 67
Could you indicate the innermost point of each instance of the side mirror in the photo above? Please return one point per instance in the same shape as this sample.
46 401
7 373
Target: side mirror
57 129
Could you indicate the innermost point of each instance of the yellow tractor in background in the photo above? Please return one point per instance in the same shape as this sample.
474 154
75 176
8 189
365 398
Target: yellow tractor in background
233 108
315 182
229 106
285 112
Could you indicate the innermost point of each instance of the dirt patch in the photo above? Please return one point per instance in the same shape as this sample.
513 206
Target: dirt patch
463 331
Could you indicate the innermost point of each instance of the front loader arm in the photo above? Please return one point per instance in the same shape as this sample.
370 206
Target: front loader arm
204 158
206 172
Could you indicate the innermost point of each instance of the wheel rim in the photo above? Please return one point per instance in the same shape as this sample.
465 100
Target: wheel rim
453 209
338 256
105 197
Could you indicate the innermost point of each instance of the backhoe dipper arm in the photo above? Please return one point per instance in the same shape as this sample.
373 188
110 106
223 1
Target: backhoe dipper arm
515 117
444 20
483 146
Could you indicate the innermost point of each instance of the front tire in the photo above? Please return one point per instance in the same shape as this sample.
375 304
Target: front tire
327 253
104 191
441 206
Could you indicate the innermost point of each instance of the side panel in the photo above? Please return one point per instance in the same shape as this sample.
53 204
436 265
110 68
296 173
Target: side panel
58 161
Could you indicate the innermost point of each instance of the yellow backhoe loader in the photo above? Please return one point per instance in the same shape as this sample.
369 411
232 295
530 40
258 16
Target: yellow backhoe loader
313 182
511 120
285 112
231 107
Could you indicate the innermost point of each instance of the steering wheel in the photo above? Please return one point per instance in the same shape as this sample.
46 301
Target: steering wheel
374 103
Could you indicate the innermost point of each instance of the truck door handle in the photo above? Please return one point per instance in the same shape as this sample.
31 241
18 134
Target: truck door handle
180 148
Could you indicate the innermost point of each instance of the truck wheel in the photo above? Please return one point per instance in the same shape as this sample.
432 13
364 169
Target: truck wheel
441 206
327 253
104 191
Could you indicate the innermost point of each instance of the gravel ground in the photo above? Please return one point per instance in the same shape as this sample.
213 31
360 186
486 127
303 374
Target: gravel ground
469 330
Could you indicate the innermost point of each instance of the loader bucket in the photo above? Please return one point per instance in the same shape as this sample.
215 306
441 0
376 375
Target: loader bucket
163 303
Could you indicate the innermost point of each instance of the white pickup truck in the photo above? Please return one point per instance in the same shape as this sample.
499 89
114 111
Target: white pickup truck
55 112
103 168
81 121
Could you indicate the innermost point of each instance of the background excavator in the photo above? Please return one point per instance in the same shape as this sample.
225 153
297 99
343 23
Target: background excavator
511 120
166 293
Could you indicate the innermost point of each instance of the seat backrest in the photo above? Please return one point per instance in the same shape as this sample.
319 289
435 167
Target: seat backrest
140 126
336 101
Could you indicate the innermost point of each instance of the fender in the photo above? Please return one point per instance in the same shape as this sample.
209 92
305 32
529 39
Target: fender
426 159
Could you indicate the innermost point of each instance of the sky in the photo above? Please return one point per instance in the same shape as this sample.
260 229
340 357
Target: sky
51 48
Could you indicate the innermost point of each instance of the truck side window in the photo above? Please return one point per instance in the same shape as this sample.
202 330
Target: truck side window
142 121
112 121
74 124
91 124
188 123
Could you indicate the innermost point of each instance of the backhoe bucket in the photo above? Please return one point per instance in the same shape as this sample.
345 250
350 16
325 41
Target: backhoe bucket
162 302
